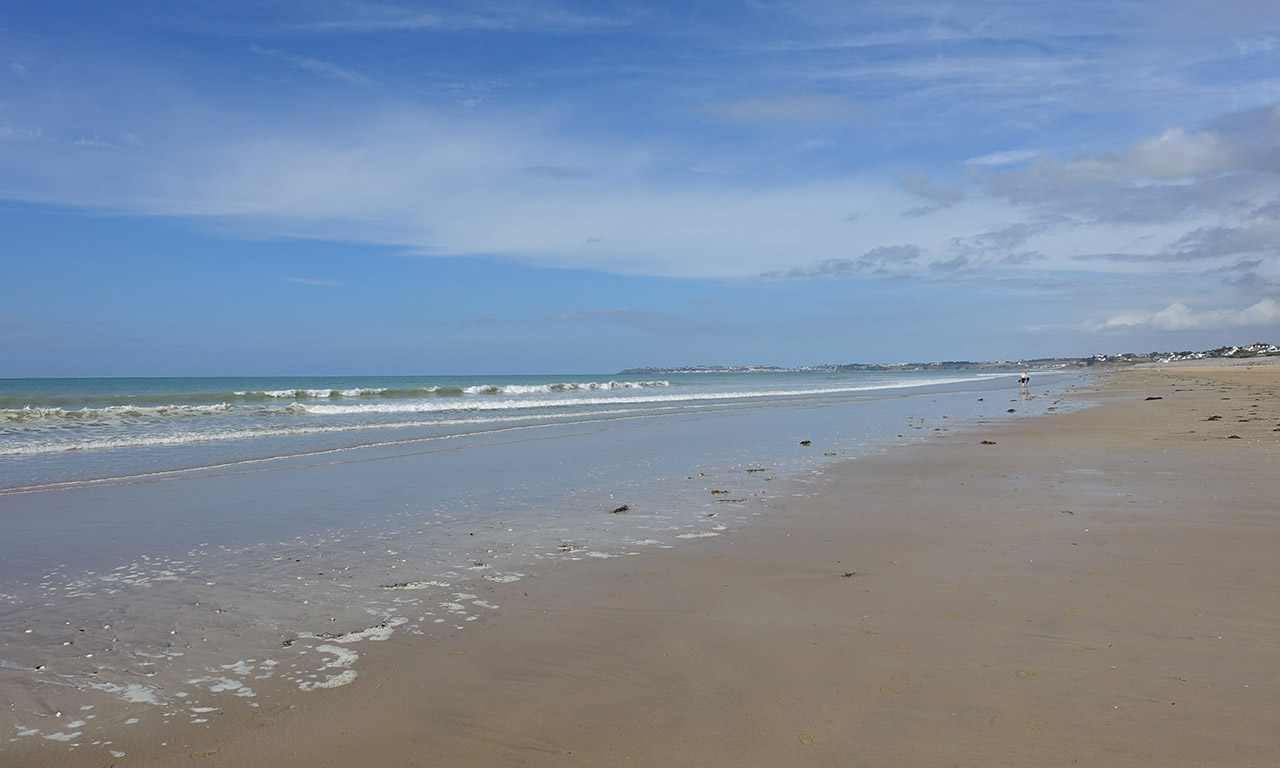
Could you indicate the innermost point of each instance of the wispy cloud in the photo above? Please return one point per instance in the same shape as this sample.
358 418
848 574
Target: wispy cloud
950 265
454 183
1207 196
1004 245
314 66
1078 158
939 198
12 132
541 175
1004 157
313 281
18 66
374 17
885 260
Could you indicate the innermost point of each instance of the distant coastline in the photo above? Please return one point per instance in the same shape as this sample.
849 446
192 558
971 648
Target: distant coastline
1249 351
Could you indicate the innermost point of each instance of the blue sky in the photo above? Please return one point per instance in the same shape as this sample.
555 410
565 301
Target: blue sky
297 187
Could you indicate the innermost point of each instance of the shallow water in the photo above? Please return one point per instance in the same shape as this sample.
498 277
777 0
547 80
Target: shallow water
176 586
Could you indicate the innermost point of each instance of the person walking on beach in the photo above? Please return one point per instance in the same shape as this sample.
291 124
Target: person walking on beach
1025 380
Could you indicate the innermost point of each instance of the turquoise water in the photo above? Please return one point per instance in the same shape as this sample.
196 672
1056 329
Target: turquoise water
54 430
452 444
179 544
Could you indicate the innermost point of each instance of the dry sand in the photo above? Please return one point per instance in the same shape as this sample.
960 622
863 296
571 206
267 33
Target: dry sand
1093 588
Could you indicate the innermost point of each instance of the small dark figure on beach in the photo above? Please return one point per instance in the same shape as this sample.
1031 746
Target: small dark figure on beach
1025 380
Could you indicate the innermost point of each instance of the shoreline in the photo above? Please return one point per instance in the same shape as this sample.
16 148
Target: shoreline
1077 589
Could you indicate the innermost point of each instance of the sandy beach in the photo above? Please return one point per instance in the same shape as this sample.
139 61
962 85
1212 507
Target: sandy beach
1087 588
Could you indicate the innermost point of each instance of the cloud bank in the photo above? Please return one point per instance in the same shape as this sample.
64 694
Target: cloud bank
1179 317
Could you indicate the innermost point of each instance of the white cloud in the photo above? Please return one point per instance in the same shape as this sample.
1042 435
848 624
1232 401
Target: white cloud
1177 154
461 184
1173 155
520 186
1176 197
538 178
1006 157
1179 317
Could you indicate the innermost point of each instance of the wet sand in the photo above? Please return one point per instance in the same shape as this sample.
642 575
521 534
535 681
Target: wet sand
1090 588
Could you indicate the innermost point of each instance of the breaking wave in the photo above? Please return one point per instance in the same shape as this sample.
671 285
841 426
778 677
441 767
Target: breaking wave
110 414
41 430
19 407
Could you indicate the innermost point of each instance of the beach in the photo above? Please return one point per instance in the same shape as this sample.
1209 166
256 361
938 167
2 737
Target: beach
1094 587
586 384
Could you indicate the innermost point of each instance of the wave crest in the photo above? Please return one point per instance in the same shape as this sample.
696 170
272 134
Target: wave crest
111 413
563 386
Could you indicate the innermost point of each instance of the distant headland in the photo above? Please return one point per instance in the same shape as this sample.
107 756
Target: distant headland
1128 358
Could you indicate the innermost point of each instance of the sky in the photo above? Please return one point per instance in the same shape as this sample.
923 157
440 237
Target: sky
293 187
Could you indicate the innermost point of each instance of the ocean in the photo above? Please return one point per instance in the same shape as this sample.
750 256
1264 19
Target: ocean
176 546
